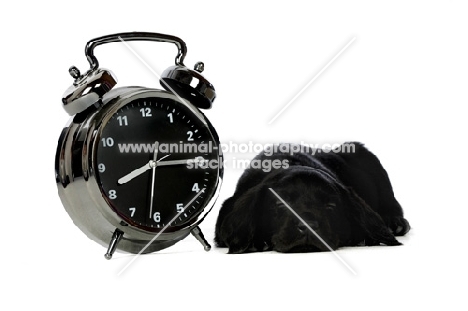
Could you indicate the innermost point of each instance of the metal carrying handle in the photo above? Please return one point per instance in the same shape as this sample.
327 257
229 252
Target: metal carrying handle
134 36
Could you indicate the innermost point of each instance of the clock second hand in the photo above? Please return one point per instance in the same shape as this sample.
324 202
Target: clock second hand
155 156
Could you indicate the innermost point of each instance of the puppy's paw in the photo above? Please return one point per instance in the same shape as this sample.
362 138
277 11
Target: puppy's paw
398 225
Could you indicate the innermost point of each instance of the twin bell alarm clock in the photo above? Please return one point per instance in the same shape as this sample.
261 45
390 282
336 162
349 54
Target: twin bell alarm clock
138 168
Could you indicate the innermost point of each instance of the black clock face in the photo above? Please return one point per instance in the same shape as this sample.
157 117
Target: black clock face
156 164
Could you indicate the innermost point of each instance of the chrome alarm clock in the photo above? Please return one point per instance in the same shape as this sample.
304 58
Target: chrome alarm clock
137 168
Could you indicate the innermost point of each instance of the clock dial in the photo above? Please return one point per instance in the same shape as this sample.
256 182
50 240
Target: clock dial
154 159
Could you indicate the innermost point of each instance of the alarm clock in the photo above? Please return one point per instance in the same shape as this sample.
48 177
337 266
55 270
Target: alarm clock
138 168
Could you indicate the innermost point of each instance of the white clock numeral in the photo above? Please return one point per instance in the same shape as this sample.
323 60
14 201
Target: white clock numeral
132 210
112 194
101 167
180 207
157 217
195 188
122 120
190 136
107 142
170 118
146 112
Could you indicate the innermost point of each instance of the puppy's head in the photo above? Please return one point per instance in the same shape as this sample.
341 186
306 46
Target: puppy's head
313 211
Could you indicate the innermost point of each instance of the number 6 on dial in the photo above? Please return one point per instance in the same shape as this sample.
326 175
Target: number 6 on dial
157 217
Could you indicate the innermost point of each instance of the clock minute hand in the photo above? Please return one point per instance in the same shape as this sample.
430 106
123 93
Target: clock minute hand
173 162
178 162
155 157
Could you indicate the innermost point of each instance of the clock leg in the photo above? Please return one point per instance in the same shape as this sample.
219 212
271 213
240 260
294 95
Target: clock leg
116 237
196 232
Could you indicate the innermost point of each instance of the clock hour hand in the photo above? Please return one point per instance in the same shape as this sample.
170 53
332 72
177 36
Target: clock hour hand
136 173
140 171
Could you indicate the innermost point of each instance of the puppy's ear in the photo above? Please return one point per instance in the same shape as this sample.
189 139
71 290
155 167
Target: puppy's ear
371 226
237 229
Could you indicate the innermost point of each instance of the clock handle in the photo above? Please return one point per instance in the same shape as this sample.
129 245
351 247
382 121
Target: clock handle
134 36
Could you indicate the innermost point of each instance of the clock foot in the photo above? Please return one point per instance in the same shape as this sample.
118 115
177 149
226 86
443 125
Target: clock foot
196 232
116 237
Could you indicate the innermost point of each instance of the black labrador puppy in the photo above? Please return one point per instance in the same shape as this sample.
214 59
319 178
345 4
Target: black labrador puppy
333 199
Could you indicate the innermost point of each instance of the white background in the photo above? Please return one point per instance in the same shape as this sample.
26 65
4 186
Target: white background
400 88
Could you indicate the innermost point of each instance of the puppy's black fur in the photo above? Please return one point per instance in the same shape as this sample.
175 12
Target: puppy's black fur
345 197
